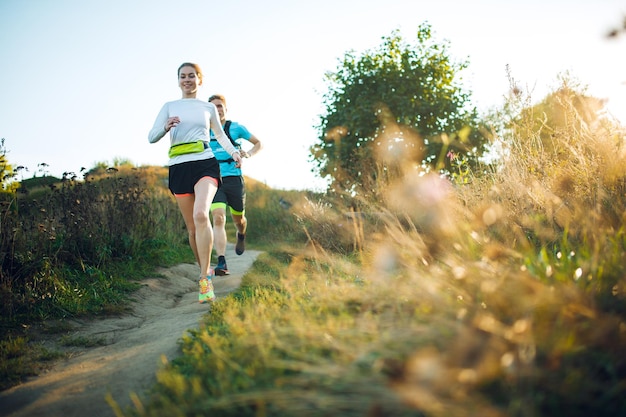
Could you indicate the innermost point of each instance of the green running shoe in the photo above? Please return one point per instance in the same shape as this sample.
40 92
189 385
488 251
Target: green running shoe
206 292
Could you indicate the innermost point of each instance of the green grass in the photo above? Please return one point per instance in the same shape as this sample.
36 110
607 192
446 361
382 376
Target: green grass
20 359
95 293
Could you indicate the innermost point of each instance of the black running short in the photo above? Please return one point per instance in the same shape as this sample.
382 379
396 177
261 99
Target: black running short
184 176
232 192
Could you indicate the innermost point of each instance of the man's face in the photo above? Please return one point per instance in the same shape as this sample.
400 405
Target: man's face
221 108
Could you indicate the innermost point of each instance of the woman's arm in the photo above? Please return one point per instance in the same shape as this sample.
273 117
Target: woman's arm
221 137
158 129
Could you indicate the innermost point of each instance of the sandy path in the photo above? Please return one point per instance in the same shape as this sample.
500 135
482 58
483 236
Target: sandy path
135 343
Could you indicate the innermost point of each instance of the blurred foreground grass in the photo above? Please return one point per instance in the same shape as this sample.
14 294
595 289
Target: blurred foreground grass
499 295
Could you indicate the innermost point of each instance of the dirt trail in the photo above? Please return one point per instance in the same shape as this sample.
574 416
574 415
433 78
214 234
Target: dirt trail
135 343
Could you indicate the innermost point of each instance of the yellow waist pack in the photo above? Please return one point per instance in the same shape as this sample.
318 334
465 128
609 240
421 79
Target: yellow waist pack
185 148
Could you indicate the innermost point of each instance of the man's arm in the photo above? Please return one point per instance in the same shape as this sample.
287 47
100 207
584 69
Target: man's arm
256 148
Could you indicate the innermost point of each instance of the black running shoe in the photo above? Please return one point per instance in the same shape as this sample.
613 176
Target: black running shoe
221 269
240 246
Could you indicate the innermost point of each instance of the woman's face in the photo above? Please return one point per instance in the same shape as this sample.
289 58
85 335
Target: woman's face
188 81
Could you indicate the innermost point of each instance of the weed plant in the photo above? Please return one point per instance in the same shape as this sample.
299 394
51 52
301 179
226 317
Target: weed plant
76 247
500 294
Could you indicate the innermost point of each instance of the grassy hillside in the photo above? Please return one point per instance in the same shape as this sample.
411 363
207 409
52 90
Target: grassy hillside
501 293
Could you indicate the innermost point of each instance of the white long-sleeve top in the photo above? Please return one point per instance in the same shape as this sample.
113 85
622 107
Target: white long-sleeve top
197 119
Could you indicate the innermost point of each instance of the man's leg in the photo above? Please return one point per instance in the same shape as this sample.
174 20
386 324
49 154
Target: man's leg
241 223
219 237
237 203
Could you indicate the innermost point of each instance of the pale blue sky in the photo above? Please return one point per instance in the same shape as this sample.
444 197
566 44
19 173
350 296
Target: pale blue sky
82 81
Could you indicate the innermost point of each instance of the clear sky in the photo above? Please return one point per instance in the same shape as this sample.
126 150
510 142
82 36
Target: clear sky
82 81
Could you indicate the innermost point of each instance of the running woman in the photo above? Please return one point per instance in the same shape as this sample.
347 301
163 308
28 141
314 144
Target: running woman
194 173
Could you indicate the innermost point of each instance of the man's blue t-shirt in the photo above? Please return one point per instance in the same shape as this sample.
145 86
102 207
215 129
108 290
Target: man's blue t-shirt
237 132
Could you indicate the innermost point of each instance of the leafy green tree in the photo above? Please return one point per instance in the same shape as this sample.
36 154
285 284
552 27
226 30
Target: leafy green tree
398 106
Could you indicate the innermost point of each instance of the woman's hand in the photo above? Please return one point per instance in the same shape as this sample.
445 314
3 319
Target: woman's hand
171 122
237 158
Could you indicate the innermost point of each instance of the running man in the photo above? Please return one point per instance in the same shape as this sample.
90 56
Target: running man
232 192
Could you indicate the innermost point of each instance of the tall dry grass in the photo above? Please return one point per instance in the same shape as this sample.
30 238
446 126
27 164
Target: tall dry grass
501 293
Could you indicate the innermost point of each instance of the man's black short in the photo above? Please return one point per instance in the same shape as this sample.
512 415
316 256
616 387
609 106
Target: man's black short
232 192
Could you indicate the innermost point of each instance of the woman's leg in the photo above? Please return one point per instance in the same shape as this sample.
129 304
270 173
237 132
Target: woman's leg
185 204
205 190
